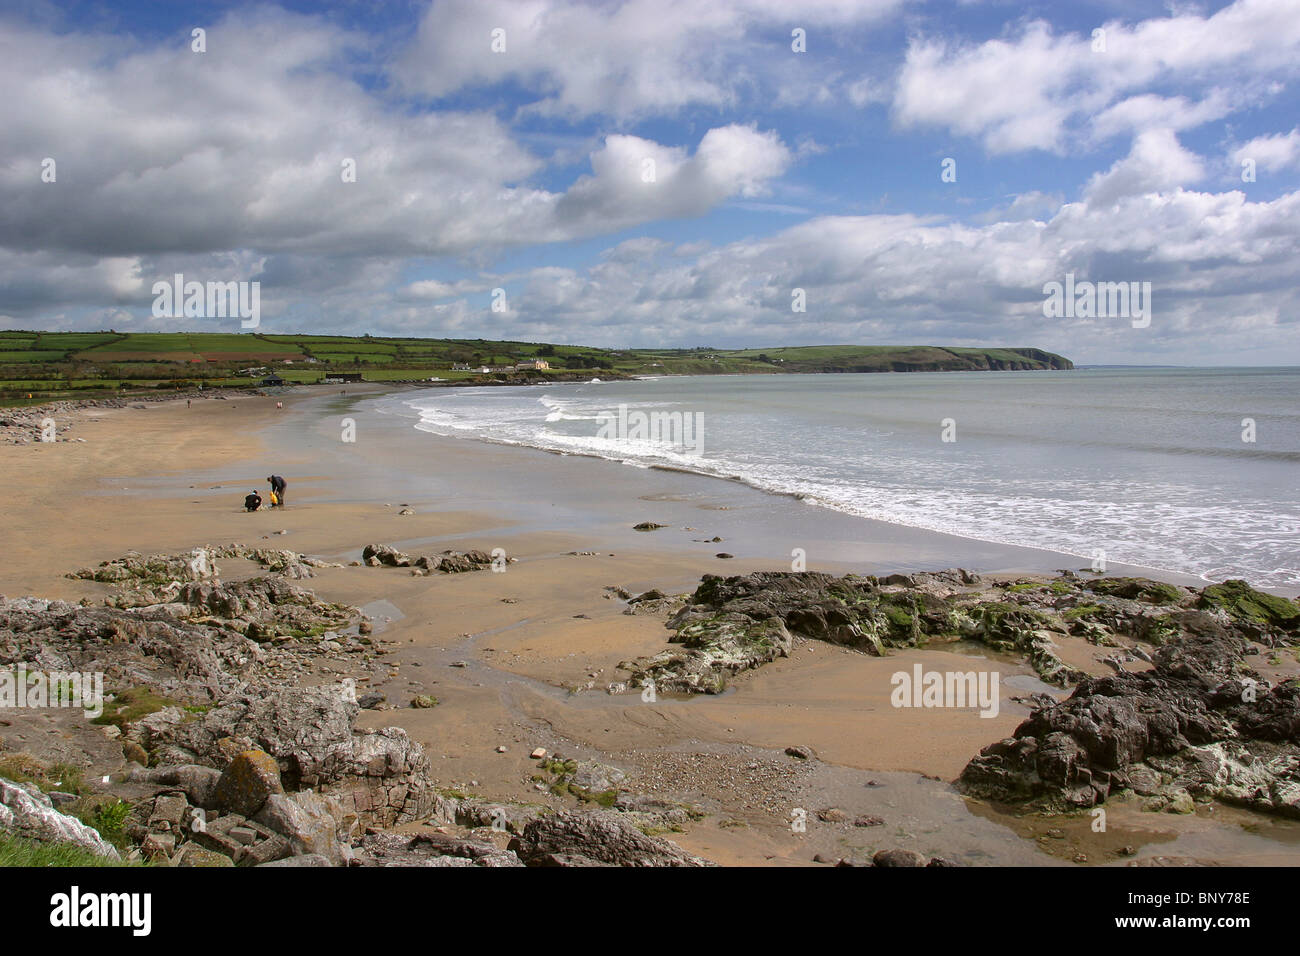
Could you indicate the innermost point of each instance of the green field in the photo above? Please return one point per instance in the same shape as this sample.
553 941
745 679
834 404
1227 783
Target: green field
48 365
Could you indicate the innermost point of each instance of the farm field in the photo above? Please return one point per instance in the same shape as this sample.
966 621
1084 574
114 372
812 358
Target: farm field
38 366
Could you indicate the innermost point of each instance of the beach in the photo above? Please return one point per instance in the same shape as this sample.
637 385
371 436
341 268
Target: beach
521 659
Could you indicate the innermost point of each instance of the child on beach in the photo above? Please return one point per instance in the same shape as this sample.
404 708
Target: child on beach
252 501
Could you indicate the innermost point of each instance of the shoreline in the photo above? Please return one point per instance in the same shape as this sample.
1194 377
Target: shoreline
535 637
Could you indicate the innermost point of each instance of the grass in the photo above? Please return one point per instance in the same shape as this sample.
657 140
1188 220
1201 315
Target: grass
24 768
130 705
15 851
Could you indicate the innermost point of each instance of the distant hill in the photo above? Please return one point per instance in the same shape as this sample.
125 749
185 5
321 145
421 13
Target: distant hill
53 364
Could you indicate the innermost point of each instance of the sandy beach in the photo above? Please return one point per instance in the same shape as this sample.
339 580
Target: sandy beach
521 659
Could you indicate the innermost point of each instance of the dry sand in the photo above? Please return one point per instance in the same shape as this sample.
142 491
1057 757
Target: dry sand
541 641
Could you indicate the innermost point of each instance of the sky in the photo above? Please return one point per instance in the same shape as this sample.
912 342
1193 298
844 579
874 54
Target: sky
652 173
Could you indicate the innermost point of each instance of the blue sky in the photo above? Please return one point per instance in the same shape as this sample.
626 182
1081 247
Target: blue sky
524 169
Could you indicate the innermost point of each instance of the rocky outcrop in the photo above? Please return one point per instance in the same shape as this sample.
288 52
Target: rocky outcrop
1199 723
732 624
448 562
28 813
382 775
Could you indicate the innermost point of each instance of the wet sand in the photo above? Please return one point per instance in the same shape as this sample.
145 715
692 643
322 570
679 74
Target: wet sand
540 642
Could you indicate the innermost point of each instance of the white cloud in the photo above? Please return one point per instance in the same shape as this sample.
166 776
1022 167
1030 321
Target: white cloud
1038 89
241 154
1156 162
1271 153
625 59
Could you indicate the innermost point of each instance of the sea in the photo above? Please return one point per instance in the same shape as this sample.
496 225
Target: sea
1189 470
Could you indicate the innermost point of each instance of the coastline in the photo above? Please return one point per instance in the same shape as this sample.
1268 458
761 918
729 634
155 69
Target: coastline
532 635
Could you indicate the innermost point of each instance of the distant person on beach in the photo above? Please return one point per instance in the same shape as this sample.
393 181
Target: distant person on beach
252 501
277 486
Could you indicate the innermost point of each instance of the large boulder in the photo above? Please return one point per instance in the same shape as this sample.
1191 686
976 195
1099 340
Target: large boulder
247 782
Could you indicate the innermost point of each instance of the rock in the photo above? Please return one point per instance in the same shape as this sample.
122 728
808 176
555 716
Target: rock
247 782
168 813
199 783
1183 729
803 753
382 554
306 859
26 812
313 824
159 845
134 753
595 777
832 815
538 753
868 821
191 854
648 526
724 554
308 730
898 858
595 839
370 701
424 701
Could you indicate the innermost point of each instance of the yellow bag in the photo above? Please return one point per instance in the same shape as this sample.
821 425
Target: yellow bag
274 500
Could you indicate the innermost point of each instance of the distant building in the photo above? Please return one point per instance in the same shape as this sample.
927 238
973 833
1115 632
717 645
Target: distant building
271 380
533 363
338 378
460 366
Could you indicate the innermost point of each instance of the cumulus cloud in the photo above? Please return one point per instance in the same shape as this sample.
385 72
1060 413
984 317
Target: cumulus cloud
1156 162
1271 153
624 59
265 145
1219 265
1038 89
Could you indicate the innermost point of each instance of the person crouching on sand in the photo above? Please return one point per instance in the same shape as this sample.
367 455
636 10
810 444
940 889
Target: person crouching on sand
252 501
277 489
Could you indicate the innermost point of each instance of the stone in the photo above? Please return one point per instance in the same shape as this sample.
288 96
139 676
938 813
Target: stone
158 845
245 785
191 854
595 839
314 824
168 813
